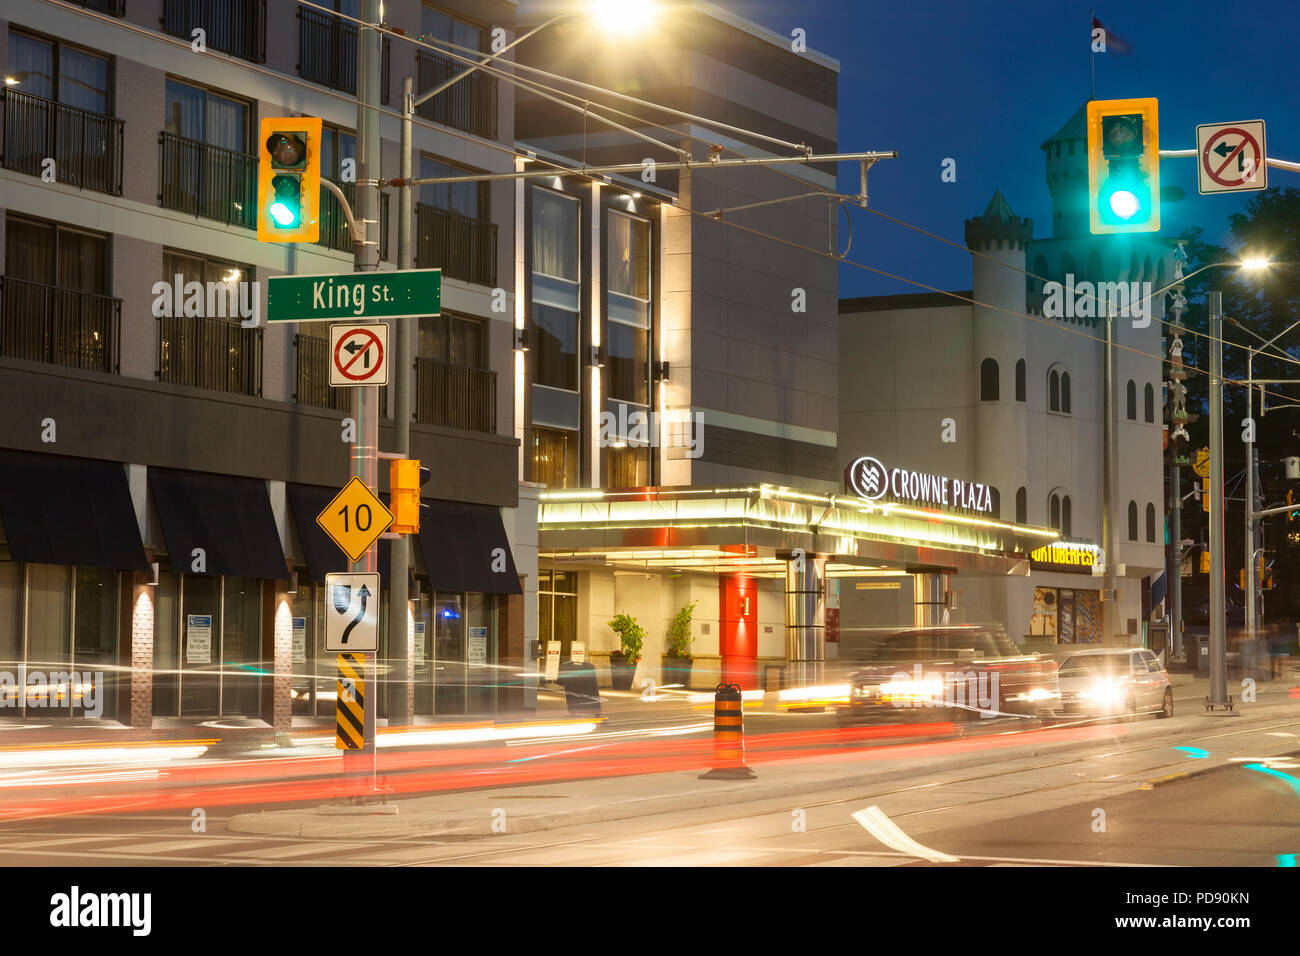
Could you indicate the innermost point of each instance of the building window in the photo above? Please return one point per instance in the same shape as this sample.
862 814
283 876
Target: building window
1151 523
1066 517
1022 505
453 222
1020 380
470 105
1054 510
1132 521
555 457
237 27
337 146
206 167
995 498
1066 615
54 301
454 388
1131 401
628 307
557 608
1054 391
1065 393
1149 403
203 343
327 48
627 467
989 380
555 288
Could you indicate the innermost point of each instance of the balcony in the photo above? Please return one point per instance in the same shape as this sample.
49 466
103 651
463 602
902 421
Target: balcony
455 396
334 224
469 105
86 147
462 247
116 8
237 27
207 181
327 53
216 354
44 323
312 375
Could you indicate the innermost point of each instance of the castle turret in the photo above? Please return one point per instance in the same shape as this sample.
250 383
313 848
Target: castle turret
1067 176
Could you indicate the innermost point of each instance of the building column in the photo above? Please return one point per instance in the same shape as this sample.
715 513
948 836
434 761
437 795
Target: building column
140 611
278 646
805 619
931 596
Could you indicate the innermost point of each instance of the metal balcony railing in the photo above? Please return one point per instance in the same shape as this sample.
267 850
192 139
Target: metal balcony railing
469 104
237 27
86 147
463 248
327 53
210 353
312 375
44 323
455 396
207 181
116 8
334 224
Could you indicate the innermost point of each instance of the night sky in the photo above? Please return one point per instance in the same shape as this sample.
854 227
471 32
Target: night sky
985 83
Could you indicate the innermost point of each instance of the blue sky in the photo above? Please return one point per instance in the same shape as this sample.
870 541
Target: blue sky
985 83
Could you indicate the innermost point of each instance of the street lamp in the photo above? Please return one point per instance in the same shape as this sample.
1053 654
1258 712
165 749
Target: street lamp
622 16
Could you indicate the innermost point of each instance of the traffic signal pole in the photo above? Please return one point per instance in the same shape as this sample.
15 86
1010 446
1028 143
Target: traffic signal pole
1218 696
365 398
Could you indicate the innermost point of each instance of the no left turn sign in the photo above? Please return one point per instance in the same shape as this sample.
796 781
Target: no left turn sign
358 355
1231 157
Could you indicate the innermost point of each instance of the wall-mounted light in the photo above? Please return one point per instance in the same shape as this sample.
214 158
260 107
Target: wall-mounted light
293 582
153 575
521 340
662 371
598 356
744 606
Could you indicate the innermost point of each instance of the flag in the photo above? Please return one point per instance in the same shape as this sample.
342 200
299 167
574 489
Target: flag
1114 42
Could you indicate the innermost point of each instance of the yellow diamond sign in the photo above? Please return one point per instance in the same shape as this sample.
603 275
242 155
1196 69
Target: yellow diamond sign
1201 462
355 518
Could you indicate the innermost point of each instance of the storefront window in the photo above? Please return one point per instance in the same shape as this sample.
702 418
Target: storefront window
557 608
1066 615
627 467
555 457
166 641
11 608
214 634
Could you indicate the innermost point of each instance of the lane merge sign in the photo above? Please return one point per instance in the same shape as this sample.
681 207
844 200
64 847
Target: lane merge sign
358 355
1230 157
354 296
352 612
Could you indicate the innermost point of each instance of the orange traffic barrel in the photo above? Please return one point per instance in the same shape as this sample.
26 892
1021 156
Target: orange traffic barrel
728 736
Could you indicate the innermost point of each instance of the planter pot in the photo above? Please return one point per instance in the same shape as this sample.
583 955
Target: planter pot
621 671
676 670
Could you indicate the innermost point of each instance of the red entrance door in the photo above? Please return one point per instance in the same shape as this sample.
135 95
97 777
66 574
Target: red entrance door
738 619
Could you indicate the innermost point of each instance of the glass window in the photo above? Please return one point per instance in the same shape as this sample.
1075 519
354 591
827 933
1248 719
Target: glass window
557 347
628 363
555 234
1022 506
555 457
31 64
1054 391
453 339
166 644
83 80
198 114
1131 404
11 610
58 72
48 636
469 199
989 380
1151 522
1054 509
1065 393
558 611
1065 516
1132 521
200 647
241 647
627 467
1149 403
628 250
1020 380
55 255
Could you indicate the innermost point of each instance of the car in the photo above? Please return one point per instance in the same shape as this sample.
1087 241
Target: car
1115 682
945 673
1233 612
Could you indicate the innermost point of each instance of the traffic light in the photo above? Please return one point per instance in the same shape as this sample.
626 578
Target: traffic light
1205 562
1205 495
288 180
405 478
1123 166
1290 500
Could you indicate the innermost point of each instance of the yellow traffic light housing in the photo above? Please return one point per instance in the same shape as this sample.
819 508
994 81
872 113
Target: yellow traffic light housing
288 179
1205 562
1123 166
405 478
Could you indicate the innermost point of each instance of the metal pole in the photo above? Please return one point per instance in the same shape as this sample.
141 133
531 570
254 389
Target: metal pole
1111 609
1249 551
401 698
365 400
1176 585
1218 644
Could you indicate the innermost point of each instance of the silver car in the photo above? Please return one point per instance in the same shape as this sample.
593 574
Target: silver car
1110 682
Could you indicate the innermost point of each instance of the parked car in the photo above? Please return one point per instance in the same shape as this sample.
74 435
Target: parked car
945 673
1109 682
1234 613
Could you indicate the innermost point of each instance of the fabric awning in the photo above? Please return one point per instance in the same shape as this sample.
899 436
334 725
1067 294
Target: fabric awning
320 554
230 518
466 549
75 511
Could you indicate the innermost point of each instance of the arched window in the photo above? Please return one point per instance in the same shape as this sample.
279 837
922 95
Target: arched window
996 498
1151 523
1132 521
1065 516
1054 391
1054 510
988 380
1131 404
1020 380
1022 506
1065 393
1149 402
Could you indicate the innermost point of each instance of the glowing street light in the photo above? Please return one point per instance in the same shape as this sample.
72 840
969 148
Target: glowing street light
622 16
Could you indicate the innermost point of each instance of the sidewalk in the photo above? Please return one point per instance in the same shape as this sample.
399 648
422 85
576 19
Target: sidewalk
547 806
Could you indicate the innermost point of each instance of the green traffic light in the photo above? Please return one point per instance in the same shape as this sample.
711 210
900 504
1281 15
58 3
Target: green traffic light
286 209
1124 204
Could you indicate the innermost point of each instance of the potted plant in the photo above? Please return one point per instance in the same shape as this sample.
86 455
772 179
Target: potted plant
677 652
622 663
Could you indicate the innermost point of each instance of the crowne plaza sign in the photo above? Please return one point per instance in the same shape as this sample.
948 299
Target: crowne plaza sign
869 478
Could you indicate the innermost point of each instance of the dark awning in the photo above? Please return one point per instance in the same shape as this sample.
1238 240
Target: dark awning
460 543
229 518
321 555
60 510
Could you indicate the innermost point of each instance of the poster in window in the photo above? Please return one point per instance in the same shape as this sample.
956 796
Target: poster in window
577 652
478 645
1042 621
300 640
419 643
198 639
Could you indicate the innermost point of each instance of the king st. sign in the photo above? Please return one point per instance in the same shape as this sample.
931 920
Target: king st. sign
409 293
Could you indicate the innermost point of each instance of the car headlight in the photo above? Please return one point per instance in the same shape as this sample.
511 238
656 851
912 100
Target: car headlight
912 689
1105 692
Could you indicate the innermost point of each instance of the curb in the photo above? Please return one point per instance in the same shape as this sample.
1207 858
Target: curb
1169 778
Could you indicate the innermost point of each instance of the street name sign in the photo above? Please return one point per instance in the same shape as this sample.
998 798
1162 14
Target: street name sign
358 355
1230 157
352 612
355 518
354 296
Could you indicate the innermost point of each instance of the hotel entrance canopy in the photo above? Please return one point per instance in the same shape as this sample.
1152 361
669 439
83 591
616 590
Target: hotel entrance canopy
754 528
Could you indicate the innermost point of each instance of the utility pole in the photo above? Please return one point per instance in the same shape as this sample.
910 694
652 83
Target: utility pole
365 398
1218 645
1107 492
1176 583
1249 510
